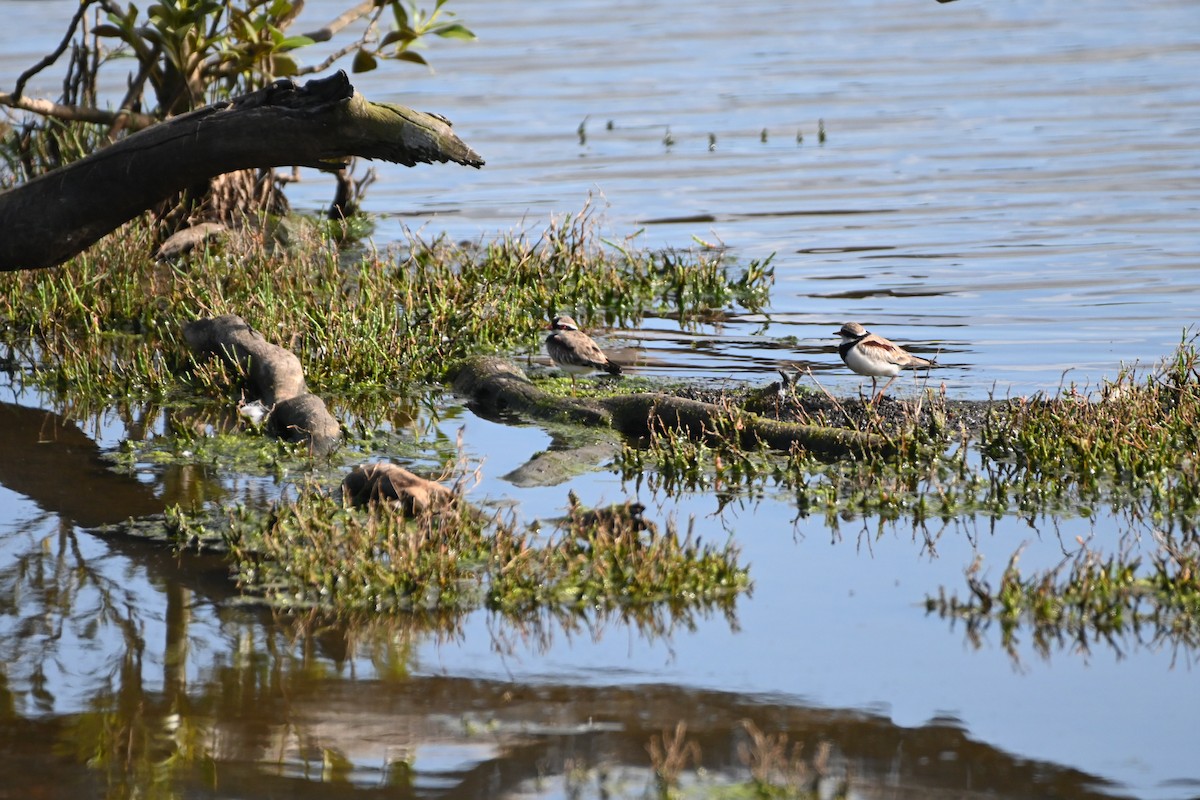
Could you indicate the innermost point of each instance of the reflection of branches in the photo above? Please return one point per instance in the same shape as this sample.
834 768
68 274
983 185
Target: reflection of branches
61 606
388 642
536 630
50 592
670 756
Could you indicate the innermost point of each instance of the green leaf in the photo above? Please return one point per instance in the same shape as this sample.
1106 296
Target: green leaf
284 66
401 15
364 62
454 31
292 42
410 55
398 36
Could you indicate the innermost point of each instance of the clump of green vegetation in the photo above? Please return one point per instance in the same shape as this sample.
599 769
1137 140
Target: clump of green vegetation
108 323
927 475
1136 446
1134 449
314 553
611 562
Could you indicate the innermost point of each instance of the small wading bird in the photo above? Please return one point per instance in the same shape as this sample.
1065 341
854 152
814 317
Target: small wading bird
574 352
875 356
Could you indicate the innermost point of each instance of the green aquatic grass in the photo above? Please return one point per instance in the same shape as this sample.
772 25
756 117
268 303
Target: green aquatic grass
108 322
311 553
927 475
1132 451
1136 446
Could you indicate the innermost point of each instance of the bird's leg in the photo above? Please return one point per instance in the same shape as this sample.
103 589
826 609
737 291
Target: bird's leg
884 389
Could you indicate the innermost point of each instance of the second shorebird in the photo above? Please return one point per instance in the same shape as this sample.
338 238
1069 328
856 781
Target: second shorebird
574 352
874 356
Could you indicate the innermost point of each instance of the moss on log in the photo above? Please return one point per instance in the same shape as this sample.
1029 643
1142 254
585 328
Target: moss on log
497 385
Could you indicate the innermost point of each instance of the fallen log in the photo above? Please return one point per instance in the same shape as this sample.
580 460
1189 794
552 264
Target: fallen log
496 385
47 220
273 375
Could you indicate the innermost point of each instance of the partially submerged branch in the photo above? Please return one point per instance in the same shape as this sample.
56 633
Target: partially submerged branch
323 123
499 385
273 375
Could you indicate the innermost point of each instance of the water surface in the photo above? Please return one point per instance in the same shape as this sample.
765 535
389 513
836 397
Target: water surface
1011 185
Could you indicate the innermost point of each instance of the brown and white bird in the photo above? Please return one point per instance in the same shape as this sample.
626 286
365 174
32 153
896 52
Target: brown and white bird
874 356
574 352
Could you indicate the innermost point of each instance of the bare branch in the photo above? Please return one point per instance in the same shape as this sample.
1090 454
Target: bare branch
46 108
350 15
358 12
50 59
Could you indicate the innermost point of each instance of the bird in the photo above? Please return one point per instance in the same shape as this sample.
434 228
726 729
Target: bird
874 356
574 352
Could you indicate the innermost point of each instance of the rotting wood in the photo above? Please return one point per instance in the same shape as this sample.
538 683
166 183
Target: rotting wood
395 487
274 376
497 385
47 220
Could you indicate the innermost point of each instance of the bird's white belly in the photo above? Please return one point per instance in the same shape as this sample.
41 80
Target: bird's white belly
577 369
863 365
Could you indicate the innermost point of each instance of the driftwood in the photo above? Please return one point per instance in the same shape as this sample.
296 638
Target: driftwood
57 215
396 487
274 376
497 385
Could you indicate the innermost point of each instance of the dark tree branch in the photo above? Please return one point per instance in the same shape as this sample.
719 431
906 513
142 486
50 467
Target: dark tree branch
19 89
323 123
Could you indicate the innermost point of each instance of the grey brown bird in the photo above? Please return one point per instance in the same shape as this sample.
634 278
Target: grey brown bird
874 356
574 352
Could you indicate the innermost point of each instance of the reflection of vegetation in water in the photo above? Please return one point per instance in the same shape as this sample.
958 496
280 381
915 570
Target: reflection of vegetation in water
340 706
771 767
1089 598
1135 451
138 741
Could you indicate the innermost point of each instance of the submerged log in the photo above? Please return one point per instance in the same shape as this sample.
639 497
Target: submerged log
273 375
57 215
496 385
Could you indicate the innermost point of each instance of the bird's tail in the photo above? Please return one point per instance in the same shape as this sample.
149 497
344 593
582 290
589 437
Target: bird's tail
612 369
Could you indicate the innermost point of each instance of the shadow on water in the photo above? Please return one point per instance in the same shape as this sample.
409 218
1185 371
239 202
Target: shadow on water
51 461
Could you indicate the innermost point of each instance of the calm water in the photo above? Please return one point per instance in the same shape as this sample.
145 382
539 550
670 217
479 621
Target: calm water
1013 184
